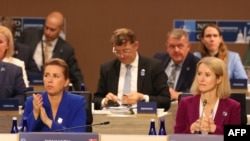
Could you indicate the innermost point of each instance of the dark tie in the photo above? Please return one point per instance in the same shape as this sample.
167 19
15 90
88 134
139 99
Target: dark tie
171 78
127 80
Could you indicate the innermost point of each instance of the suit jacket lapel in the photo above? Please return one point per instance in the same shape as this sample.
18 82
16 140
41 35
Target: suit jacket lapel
185 69
57 50
220 113
2 72
115 72
141 76
195 108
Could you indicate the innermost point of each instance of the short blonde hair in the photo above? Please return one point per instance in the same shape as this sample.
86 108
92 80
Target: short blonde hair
10 41
219 68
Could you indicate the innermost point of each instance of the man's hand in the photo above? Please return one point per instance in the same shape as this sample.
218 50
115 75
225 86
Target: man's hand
110 96
132 98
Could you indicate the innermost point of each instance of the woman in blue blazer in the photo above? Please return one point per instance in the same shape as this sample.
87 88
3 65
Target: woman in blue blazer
55 109
212 44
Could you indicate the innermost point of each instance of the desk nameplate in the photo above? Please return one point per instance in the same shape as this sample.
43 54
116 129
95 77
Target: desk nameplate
62 136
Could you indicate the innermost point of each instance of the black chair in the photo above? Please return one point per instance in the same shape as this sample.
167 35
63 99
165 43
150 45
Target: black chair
88 99
240 97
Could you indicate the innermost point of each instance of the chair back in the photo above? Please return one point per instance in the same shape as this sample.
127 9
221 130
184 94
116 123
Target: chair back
88 100
241 98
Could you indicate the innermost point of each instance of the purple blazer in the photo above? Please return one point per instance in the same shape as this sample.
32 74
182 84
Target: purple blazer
228 112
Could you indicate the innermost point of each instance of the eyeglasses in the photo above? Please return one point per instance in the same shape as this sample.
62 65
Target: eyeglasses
179 46
122 52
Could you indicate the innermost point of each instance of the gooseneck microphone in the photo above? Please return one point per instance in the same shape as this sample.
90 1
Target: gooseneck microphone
82 126
204 103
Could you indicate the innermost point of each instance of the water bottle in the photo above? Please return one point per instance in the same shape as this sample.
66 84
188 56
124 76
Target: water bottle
14 128
162 129
24 125
152 130
82 87
70 87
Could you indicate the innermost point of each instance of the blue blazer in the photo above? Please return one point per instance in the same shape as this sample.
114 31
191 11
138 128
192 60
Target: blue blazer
235 67
228 113
187 73
71 111
11 82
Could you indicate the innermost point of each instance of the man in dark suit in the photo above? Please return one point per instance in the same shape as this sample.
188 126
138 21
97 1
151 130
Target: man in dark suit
11 82
147 77
58 47
178 53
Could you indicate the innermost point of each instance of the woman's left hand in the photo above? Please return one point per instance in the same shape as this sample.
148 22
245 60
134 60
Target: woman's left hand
44 117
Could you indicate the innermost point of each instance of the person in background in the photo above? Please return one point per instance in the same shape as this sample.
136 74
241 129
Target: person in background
55 109
12 84
210 108
47 44
21 51
147 78
178 53
212 44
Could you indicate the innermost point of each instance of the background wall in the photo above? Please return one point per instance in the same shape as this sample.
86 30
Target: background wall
90 23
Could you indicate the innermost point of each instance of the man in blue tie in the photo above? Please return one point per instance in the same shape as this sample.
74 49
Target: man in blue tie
131 77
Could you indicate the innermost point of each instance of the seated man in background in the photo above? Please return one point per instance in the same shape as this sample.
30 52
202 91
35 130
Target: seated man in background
179 63
131 78
12 84
47 44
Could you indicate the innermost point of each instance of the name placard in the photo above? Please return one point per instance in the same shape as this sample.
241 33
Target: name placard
146 107
62 136
8 104
35 79
238 83
195 137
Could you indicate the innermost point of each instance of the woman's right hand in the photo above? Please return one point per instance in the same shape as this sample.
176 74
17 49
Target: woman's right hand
37 104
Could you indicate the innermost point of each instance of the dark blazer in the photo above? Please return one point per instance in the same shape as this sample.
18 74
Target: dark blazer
187 73
11 82
63 50
24 53
153 83
71 111
228 113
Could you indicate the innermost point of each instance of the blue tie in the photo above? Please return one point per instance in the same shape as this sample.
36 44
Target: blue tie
127 81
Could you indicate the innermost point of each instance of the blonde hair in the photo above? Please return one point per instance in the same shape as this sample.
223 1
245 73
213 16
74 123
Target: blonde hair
219 68
10 41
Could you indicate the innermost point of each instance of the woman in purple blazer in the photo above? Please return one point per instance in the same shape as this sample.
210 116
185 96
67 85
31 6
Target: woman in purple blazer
210 108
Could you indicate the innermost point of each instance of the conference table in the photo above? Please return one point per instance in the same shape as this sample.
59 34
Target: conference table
119 124
133 124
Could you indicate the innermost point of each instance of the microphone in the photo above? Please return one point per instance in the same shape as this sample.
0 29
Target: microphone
204 103
82 126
